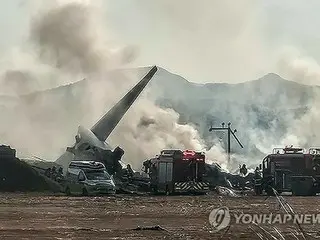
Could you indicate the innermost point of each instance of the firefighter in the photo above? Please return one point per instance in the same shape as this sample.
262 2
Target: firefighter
130 171
257 173
243 170
147 166
257 181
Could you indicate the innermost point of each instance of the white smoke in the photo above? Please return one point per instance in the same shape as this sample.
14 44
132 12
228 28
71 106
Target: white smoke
298 67
303 69
68 43
148 129
300 131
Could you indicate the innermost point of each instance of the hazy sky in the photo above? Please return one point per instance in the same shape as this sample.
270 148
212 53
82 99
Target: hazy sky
205 40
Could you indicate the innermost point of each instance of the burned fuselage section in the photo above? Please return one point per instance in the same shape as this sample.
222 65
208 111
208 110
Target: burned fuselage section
89 148
90 144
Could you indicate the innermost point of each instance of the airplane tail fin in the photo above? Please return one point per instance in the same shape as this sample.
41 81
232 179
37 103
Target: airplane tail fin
103 128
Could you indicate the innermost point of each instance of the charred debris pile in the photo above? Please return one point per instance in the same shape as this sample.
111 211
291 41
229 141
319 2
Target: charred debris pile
17 175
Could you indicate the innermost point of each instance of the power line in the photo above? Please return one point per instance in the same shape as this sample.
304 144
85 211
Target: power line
230 131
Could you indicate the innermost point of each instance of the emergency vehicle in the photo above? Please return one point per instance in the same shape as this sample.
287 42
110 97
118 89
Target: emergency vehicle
290 169
176 171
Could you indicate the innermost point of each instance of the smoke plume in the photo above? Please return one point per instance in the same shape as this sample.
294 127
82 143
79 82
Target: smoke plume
305 70
67 44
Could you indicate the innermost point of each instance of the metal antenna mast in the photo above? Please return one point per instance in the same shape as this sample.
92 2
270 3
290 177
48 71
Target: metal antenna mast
223 128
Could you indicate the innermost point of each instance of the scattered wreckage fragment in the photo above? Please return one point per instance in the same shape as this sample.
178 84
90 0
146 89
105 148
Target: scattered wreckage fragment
217 177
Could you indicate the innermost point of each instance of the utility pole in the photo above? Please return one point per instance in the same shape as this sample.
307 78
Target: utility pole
223 128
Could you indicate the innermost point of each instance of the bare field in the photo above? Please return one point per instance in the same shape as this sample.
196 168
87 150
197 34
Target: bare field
36 216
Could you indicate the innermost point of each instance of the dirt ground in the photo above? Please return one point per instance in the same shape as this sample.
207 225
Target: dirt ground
35 216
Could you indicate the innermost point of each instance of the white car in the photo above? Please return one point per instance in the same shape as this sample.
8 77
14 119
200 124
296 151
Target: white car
88 178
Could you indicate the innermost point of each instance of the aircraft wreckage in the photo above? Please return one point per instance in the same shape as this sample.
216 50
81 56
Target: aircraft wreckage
90 145
171 171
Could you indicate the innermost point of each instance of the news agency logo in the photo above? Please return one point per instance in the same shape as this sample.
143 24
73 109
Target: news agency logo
219 218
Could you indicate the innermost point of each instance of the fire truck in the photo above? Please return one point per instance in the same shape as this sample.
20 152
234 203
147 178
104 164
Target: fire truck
176 171
290 169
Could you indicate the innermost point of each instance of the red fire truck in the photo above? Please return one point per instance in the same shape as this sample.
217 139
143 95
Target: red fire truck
290 169
176 171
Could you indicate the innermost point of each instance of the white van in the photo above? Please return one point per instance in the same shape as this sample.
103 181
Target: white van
88 178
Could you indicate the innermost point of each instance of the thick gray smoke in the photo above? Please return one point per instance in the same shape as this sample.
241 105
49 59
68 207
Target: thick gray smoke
71 38
68 44
149 129
304 70
287 127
